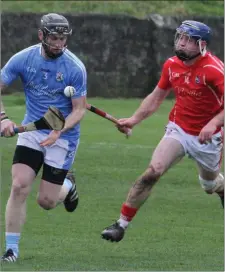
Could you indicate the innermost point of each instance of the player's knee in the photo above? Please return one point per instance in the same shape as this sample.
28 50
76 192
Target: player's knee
153 173
46 202
212 186
19 189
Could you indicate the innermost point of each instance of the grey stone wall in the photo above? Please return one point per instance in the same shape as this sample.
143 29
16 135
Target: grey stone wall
123 55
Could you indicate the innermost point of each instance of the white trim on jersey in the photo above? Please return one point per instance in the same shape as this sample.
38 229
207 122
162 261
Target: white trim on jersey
217 61
217 68
217 98
78 62
171 59
170 74
175 113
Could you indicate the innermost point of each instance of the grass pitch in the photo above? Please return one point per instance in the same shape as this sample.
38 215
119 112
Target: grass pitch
179 228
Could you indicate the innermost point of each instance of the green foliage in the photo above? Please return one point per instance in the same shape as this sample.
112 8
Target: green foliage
135 8
180 228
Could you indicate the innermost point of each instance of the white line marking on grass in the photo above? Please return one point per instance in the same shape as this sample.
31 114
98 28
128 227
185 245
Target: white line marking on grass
118 145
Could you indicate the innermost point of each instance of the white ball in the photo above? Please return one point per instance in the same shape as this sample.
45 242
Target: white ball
69 91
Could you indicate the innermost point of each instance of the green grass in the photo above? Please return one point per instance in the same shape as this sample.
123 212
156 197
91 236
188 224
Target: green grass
179 228
134 8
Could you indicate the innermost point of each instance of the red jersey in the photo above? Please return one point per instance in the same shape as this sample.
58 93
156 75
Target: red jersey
198 89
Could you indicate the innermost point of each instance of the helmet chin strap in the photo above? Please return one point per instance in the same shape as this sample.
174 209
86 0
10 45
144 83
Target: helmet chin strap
49 53
202 49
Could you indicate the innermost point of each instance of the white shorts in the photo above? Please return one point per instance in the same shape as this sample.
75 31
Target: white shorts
208 155
59 155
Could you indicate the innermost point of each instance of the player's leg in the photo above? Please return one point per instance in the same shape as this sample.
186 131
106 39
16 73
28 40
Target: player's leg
208 157
50 186
69 194
58 185
212 182
168 152
56 188
26 164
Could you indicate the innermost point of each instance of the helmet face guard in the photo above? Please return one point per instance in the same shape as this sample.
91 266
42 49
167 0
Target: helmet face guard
183 52
54 24
191 31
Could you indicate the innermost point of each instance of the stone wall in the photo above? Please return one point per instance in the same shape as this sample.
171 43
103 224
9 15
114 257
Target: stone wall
123 55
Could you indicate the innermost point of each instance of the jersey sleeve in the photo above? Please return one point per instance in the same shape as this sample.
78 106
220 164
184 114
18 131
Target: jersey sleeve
214 78
79 81
12 69
164 82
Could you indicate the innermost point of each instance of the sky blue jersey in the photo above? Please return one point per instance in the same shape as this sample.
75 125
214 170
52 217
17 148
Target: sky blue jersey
44 81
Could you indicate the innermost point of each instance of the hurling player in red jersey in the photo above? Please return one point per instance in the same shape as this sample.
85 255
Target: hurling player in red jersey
195 122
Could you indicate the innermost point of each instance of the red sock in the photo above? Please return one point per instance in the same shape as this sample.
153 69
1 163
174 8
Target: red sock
127 213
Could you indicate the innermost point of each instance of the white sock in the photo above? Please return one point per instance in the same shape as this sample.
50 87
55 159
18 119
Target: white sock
123 223
12 241
67 183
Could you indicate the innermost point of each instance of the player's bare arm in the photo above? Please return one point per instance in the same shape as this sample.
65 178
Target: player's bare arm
6 124
78 111
148 106
218 120
215 82
208 130
2 87
77 114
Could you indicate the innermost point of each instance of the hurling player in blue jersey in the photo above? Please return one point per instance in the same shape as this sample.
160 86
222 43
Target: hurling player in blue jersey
45 70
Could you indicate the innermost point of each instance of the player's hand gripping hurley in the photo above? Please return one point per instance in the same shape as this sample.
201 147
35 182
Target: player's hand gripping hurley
109 117
52 119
